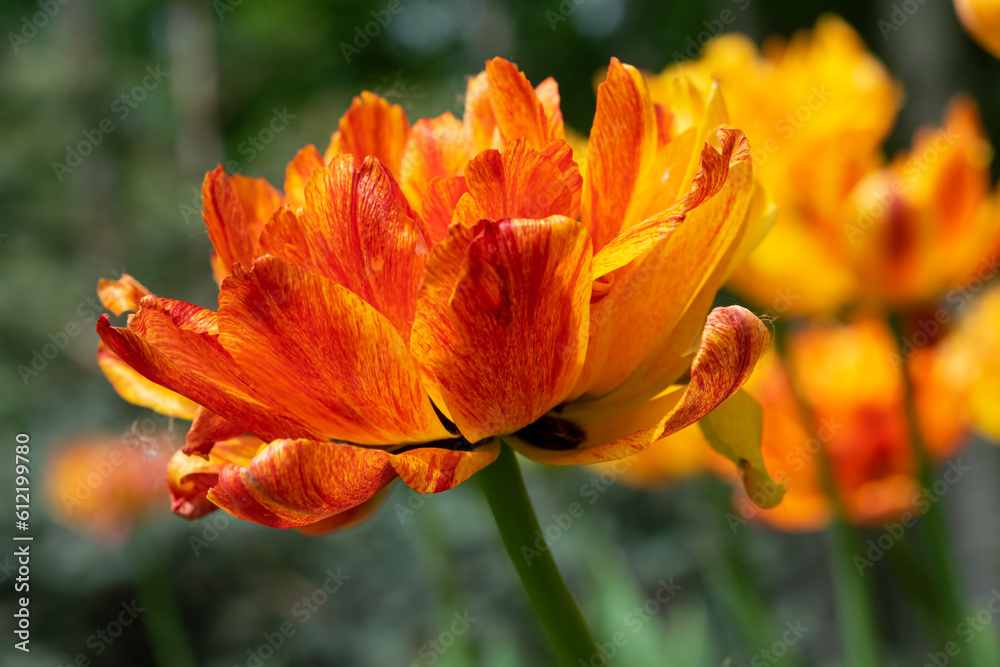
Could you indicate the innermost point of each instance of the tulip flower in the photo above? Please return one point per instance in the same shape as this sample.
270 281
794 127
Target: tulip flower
982 19
925 224
102 485
820 94
974 351
417 292
850 378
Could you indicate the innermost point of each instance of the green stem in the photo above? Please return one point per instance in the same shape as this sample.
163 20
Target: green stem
852 594
160 613
943 567
503 486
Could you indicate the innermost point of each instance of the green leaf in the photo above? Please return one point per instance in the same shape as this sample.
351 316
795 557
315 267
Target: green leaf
734 430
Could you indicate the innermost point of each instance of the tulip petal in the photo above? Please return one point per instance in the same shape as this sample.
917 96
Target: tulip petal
721 193
621 153
371 126
298 173
175 344
735 429
348 518
433 469
234 210
136 389
121 295
500 332
442 198
294 483
437 148
586 432
665 276
359 232
480 123
190 477
518 182
517 108
325 356
207 429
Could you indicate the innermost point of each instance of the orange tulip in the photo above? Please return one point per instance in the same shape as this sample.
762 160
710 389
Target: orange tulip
820 94
982 19
850 380
102 485
974 352
420 290
925 223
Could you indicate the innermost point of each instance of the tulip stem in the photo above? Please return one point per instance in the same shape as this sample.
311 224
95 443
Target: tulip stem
943 565
160 614
853 596
503 486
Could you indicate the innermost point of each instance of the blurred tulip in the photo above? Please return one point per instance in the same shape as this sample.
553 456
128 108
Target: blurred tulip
982 19
417 291
102 484
974 352
926 223
815 110
849 375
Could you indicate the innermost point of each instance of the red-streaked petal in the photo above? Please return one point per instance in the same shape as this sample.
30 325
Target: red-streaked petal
437 148
175 344
234 210
442 197
207 429
135 388
479 121
359 232
294 483
720 194
500 332
371 126
432 469
190 477
656 305
325 356
621 153
298 173
121 295
518 182
517 108
348 518
733 340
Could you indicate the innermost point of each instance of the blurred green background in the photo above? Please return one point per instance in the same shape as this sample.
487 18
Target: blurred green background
227 67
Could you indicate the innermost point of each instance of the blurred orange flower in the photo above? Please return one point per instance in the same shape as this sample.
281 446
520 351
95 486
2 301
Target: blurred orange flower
974 352
102 484
850 379
982 19
820 94
417 291
926 223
